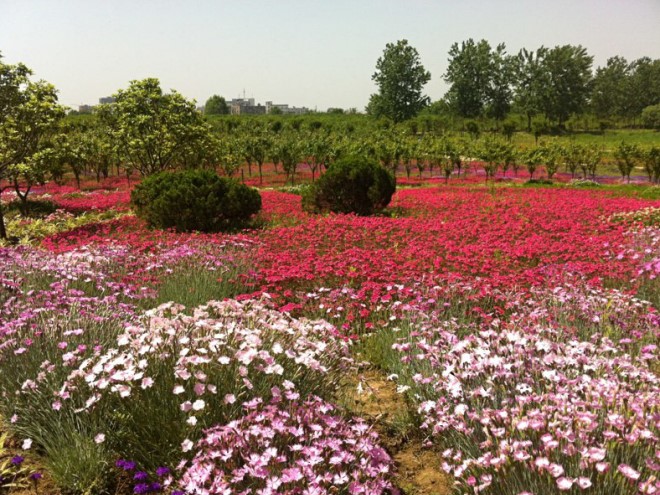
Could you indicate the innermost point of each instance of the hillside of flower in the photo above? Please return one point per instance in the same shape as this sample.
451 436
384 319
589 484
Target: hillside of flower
518 325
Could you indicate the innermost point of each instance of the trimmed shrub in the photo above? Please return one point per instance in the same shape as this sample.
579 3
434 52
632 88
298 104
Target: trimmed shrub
351 185
194 200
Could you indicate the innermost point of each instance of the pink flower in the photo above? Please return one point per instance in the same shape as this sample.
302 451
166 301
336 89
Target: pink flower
564 483
628 472
583 482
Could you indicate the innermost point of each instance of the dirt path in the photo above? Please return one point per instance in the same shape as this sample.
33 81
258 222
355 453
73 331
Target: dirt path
418 469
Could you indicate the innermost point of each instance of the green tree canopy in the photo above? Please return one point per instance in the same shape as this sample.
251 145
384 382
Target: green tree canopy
29 113
216 105
481 79
400 77
530 82
569 81
611 86
153 130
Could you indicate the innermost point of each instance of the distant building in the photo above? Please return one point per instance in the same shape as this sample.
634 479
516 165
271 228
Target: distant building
245 106
285 108
85 108
107 99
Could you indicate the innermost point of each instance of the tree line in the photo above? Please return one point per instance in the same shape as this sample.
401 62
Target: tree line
488 82
147 131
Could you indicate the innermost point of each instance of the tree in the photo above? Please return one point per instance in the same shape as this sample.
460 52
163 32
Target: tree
216 105
469 74
532 157
530 82
289 151
29 113
568 69
644 83
610 94
651 117
400 77
626 156
152 130
499 91
651 158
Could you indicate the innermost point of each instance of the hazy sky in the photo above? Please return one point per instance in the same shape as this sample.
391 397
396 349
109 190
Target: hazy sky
303 52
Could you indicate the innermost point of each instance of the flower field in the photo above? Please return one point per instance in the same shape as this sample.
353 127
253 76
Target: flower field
519 326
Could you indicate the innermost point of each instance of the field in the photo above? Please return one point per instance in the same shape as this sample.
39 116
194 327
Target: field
478 337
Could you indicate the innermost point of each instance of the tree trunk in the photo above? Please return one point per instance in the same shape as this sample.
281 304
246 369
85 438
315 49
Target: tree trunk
3 231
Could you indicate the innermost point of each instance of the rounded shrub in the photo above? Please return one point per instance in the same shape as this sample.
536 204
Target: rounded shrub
351 185
194 200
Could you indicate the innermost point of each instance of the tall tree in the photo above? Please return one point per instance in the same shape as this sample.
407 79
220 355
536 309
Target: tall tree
499 91
469 74
216 105
644 85
569 71
530 82
29 113
400 77
610 93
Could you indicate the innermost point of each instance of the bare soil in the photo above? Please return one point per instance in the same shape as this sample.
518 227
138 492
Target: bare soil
418 470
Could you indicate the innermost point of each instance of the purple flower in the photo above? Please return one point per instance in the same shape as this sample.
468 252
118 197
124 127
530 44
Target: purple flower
155 487
17 460
141 476
35 476
141 488
125 465
162 471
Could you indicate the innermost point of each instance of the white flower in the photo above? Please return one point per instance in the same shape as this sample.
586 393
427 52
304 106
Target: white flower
27 443
186 445
100 438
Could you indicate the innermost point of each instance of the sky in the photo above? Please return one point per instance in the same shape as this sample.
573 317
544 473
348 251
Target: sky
311 53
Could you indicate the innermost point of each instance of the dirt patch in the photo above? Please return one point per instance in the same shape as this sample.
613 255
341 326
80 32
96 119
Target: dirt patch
418 470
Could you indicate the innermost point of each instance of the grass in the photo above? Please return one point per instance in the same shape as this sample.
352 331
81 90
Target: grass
193 285
610 139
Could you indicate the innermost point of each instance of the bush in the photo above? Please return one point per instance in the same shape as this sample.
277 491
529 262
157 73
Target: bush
351 185
31 208
651 117
194 200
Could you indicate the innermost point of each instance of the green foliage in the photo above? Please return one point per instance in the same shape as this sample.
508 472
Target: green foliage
31 208
400 77
585 184
651 117
610 88
651 159
151 130
508 130
216 105
627 156
480 79
533 157
473 129
530 83
568 69
29 231
12 476
351 185
195 285
29 114
194 200
78 464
